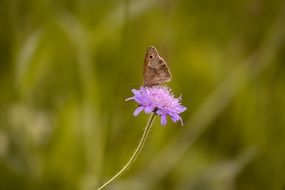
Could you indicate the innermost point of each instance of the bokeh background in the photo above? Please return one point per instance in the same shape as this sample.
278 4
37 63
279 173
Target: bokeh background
68 65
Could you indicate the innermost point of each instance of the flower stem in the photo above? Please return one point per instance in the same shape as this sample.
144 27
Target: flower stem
135 154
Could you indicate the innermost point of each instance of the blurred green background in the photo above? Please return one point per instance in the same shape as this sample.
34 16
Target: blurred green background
68 65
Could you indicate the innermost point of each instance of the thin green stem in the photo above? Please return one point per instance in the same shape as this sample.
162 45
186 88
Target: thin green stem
135 154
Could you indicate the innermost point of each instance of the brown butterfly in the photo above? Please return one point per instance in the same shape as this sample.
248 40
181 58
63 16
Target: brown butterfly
155 68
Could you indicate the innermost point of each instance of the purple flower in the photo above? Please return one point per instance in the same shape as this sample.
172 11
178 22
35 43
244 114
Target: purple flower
160 100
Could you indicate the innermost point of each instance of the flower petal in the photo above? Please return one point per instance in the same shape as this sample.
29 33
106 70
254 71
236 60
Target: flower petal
135 92
174 118
182 109
148 109
138 110
163 120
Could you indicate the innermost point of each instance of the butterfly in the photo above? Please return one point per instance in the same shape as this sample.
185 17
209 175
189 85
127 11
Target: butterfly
156 70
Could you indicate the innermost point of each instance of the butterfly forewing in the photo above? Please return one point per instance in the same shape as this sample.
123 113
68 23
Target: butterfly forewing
156 70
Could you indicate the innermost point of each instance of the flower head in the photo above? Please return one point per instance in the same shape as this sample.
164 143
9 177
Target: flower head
160 100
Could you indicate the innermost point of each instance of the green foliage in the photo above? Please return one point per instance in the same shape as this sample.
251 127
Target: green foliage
67 66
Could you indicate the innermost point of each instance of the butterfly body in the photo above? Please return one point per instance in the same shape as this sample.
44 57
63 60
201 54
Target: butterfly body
156 70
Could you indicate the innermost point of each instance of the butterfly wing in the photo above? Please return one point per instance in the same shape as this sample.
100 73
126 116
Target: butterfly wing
155 69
